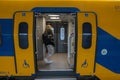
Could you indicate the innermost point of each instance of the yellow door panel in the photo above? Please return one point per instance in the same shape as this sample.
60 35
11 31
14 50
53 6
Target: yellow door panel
7 66
23 41
86 44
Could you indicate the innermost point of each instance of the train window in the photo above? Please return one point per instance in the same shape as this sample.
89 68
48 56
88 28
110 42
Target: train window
0 35
86 35
23 35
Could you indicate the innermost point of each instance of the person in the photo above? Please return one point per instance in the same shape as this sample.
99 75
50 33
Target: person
48 40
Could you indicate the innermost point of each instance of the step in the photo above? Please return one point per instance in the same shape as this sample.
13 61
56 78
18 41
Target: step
57 79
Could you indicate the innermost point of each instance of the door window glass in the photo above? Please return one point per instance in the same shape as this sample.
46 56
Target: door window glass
86 35
0 36
62 33
23 35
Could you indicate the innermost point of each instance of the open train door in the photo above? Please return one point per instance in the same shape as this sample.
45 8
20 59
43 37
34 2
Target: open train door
86 43
24 43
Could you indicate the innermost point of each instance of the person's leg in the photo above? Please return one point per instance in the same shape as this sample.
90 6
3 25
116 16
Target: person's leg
50 49
46 52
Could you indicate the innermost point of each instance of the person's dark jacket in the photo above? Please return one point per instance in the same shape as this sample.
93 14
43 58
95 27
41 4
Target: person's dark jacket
48 38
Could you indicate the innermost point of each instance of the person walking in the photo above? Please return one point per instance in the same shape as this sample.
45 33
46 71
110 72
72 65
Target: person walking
48 40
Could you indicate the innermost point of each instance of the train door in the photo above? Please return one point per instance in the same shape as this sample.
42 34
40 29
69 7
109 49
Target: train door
61 37
86 43
24 43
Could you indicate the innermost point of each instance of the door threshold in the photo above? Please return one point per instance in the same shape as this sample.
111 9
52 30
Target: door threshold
57 70
56 78
55 73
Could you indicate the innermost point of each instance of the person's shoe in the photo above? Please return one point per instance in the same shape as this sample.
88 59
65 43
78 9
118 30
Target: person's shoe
48 61
45 60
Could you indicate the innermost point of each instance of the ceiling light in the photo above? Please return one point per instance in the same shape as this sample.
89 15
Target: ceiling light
53 15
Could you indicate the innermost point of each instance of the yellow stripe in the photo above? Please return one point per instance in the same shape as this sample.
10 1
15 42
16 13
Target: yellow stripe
105 74
61 0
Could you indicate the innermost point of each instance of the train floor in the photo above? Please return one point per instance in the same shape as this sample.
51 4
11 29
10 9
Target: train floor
59 63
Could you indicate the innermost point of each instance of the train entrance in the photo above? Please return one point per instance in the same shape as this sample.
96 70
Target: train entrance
63 28
74 35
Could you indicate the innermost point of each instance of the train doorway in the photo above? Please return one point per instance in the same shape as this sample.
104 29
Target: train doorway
63 25
83 36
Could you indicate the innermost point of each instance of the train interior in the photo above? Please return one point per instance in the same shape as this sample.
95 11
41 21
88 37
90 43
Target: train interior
64 38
